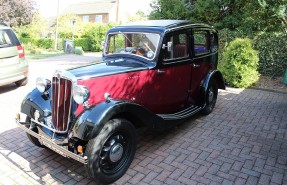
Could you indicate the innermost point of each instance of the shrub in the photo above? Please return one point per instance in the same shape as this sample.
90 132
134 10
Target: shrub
36 51
82 42
225 37
95 33
45 43
240 63
79 51
272 49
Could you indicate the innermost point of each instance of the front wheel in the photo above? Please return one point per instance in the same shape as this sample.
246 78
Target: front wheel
33 140
111 152
211 97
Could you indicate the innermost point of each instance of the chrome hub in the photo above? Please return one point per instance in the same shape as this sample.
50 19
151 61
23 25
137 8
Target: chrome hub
116 152
210 95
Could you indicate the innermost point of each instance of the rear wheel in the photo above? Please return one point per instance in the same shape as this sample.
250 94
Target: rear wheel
111 152
22 82
34 140
211 97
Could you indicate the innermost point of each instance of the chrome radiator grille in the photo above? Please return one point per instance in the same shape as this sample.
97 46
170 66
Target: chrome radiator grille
61 103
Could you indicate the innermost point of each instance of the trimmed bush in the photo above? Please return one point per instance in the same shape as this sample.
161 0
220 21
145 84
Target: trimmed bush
45 43
79 51
240 62
82 42
272 48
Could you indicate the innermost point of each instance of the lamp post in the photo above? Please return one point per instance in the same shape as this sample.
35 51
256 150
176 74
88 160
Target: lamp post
73 22
57 25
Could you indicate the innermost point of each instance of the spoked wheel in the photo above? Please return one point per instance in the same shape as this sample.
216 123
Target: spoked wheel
111 152
211 97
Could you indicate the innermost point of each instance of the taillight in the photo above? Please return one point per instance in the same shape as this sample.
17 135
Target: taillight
21 51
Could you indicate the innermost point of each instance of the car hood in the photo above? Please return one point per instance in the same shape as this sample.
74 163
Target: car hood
108 67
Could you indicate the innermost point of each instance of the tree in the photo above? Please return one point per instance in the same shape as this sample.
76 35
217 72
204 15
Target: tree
17 12
169 9
35 29
139 16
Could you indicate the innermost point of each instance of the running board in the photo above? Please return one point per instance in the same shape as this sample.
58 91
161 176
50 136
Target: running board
182 114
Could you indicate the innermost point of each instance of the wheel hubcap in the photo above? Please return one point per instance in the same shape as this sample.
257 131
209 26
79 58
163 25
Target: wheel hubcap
116 152
210 95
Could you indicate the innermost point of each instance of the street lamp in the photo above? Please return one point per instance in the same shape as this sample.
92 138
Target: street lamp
57 25
73 22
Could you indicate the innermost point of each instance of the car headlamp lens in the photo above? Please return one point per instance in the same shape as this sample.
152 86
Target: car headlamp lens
80 94
43 84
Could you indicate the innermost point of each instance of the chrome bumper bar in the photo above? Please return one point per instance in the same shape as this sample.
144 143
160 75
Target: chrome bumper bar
52 145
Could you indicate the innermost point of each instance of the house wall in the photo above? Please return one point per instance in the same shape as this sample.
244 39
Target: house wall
92 17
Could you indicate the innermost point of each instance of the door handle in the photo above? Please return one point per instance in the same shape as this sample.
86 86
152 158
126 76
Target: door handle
195 65
160 71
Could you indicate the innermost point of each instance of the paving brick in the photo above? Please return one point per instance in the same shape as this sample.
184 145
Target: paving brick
152 175
277 178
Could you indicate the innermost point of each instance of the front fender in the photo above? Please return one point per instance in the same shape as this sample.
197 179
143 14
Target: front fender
36 100
91 121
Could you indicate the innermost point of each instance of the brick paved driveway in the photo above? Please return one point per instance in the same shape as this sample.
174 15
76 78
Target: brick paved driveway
244 141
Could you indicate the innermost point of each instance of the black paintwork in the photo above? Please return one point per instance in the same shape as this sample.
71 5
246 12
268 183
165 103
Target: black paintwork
90 122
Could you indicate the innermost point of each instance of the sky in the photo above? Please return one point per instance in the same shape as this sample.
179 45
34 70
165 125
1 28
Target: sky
48 8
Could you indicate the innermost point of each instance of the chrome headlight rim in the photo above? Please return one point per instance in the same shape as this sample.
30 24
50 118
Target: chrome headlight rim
43 84
80 94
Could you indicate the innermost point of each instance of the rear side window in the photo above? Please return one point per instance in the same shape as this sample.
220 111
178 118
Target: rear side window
8 38
201 42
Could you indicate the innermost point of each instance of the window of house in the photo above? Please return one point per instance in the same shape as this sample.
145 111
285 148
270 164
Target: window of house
201 42
179 46
86 18
99 19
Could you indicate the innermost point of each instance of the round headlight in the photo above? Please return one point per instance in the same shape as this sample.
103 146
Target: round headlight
80 94
43 84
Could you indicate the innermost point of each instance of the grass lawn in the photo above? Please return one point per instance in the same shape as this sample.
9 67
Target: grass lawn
44 54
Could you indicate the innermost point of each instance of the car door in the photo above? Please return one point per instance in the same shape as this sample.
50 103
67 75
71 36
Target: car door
203 61
168 85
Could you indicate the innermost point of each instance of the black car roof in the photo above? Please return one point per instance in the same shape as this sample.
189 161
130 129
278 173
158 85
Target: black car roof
157 25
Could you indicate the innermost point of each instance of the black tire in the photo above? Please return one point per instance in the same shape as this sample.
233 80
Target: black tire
34 140
103 166
22 82
211 97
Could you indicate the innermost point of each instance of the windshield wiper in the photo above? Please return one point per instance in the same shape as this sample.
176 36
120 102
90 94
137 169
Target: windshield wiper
126 37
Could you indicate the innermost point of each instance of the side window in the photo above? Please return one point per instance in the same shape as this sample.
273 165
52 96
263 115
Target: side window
201 42
178 46
213 42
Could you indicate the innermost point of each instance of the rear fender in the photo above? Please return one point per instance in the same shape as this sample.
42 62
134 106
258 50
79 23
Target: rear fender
91 121
217 76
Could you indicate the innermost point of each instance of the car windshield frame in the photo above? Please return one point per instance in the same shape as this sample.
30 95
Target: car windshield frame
142 44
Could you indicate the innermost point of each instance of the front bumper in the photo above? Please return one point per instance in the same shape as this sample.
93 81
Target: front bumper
52 145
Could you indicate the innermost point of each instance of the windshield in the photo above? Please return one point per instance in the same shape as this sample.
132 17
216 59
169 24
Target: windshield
141 44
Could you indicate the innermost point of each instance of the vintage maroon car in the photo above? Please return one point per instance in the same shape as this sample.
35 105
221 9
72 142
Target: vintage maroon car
154 74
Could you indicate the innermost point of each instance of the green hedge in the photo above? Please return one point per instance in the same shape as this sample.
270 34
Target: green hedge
32 43
83 42
272 49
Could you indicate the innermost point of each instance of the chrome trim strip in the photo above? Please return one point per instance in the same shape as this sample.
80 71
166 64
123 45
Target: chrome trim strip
52 129
50 144
182 114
